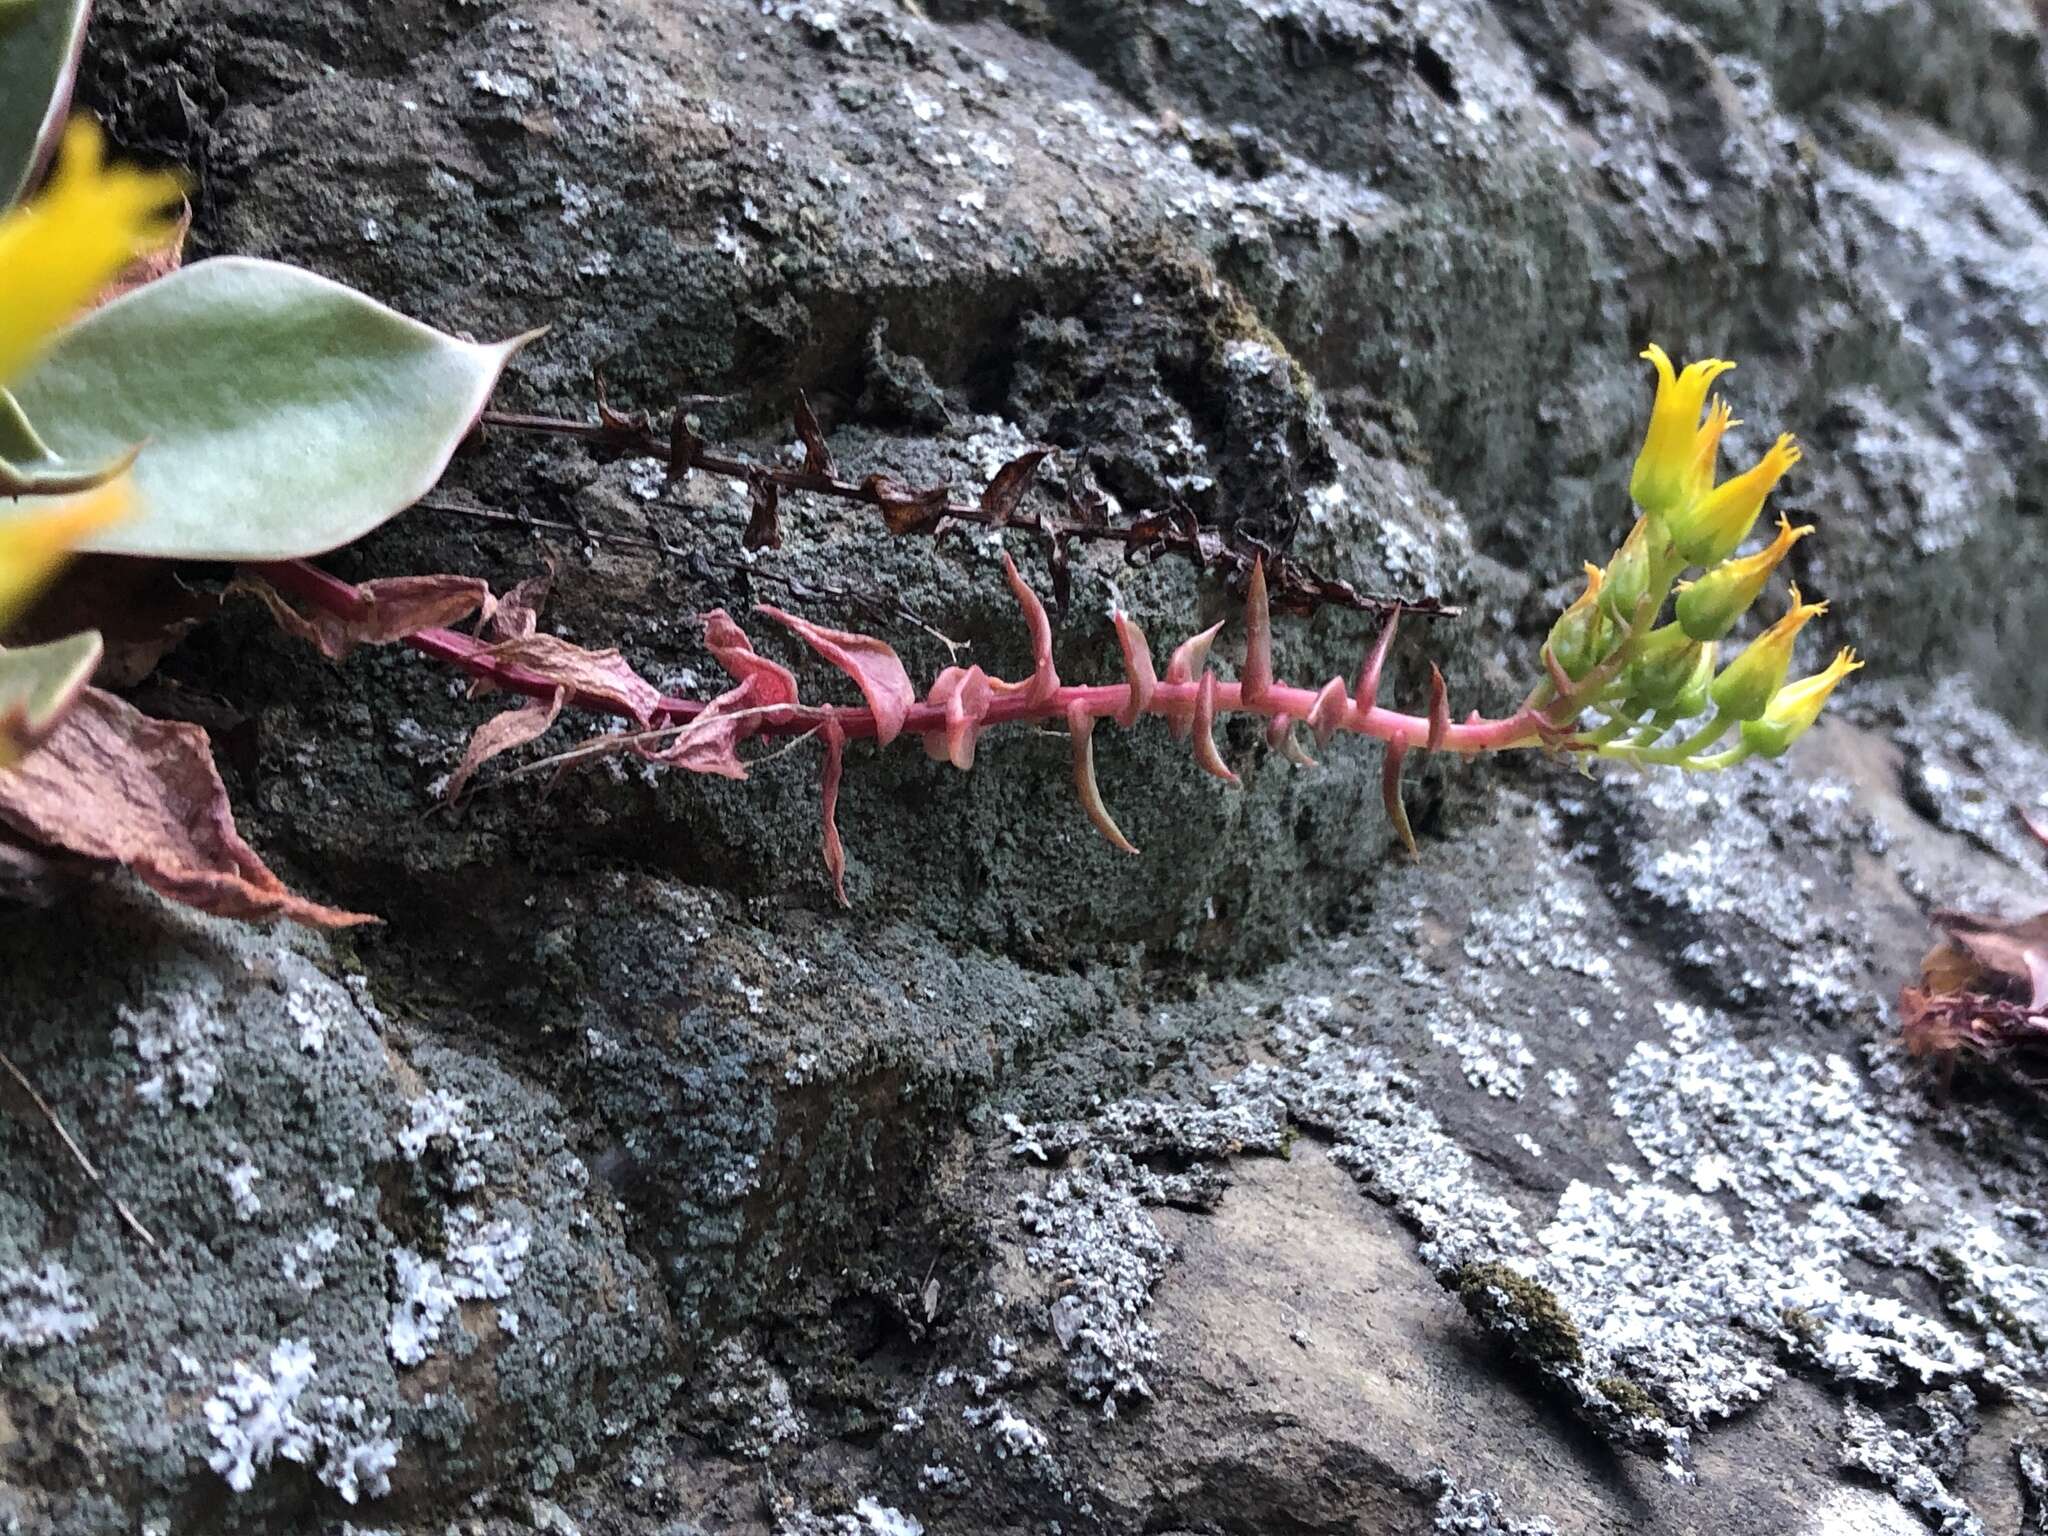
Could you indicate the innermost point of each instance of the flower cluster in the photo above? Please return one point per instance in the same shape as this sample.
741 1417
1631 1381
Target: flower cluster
1609 653
57 252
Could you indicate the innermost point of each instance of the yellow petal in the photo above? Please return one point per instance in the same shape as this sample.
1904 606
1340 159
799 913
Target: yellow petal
62 247
36 541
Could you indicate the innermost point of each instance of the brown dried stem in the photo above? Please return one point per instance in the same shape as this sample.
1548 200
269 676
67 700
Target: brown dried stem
1294 586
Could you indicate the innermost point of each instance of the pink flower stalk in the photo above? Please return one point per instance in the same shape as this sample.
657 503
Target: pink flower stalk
704 736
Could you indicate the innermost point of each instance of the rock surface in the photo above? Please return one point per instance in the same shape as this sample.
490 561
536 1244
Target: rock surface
1566 1180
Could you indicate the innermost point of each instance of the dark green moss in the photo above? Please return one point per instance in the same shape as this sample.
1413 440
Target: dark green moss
1513 1304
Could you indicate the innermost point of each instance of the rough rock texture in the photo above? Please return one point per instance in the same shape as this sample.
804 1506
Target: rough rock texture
1564 1181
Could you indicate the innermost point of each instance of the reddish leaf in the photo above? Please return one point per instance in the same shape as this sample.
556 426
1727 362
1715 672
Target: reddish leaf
817 457
965 695
518 612
501 733
729 645
2000 950
874 667
1044 681
392 609
1011 482
835 851
602 676
709 743
111 783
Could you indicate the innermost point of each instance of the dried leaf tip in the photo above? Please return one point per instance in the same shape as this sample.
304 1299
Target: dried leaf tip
1390 796
1439 710
1081 726
1207 758
1256 681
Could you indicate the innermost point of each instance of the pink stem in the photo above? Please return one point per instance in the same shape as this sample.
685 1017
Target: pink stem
1173 700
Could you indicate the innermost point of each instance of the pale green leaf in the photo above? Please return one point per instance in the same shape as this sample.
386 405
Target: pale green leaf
282 415
19 439
39 44
38 683
29 467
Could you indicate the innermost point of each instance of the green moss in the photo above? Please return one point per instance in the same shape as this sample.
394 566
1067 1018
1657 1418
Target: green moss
1512 1303
1628 1397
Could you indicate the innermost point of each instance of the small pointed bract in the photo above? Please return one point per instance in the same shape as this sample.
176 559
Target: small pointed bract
1045 682
1326 715
1280 737
1439 710
1191 655
1081 726
1560 680
1256 681
1390 795
874 667
835 851
1204 725
1189 658
1137 668
1368 690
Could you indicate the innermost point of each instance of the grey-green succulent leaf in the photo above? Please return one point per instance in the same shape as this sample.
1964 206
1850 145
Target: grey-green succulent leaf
282 414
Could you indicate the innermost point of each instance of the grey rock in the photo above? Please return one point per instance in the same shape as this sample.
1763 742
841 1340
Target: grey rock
1565 1180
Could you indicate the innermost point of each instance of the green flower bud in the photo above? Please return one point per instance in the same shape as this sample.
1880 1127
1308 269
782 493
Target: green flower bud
1580 639
1694 698
1795 707
1745 688
1663 668
1709 607
1628 575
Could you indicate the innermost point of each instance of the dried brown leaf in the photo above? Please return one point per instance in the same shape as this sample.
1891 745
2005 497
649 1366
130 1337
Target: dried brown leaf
817 457
764 521
111 783
1007 489
517 614
600 676
501 733
394 607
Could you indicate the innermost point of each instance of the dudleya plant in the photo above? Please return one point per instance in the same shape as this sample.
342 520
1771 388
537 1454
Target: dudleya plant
57 251
1608 658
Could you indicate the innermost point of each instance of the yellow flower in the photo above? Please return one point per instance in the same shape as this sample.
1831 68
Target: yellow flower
1664 469
1745 689
34 543
1706 450
1711 529
1795 707
1709 607
56 253
63 247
